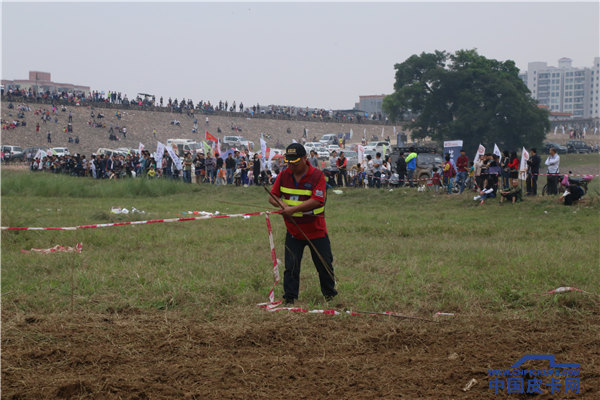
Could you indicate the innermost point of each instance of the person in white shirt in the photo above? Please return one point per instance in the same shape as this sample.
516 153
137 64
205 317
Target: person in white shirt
370 170
553 163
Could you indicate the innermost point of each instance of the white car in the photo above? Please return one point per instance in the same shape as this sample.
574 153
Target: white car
378 147
322 152
333 147
61 151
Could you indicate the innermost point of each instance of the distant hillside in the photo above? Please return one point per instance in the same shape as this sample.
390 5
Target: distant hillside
140 125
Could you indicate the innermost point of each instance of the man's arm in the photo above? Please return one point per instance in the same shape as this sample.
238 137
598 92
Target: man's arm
410 157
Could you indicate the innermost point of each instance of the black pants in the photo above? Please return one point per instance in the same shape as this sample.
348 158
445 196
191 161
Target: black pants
532 185
377 180
343 177
552 184
294 248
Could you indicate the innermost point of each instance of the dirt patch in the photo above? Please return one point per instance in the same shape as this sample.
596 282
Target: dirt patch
254 354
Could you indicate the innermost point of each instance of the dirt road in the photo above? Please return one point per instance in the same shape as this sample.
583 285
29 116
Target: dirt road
164 355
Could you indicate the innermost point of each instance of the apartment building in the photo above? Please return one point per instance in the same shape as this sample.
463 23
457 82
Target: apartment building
565 89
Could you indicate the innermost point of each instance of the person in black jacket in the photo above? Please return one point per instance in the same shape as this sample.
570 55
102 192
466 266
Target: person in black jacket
533 170
256 169
401 168
230 167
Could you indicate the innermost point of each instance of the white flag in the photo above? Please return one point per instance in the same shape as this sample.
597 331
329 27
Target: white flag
160 151
271 155
351 133
263 152
555 129
480 152
175 158
361 154
497 151
38 154
294 141
523 166
595 130
219 145
563 129
382 133
365 134
141 148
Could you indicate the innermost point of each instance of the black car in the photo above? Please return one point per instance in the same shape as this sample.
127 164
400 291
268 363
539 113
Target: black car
578 146
559 148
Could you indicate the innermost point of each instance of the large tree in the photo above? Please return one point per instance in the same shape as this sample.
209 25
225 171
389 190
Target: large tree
465 96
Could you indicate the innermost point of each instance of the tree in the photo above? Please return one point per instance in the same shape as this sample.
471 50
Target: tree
465 96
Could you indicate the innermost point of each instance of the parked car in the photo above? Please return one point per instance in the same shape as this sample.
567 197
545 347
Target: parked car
578 146
378 147
424 164
30 152
60 151
559 148
333 147
108 152
330 138
322 152
16 154
239 142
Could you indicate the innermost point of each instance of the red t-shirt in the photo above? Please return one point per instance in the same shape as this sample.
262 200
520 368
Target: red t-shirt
313 230
462 163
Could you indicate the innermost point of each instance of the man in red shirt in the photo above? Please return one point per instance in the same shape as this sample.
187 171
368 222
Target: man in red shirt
301 189
462 163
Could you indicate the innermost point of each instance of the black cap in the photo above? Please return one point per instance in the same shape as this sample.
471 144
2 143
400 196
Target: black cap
294 152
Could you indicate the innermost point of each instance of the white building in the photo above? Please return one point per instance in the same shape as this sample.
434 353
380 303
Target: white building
564 88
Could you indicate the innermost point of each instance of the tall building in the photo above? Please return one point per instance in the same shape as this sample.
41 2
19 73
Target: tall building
565 89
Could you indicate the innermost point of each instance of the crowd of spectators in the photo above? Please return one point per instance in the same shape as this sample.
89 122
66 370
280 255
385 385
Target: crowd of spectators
188 106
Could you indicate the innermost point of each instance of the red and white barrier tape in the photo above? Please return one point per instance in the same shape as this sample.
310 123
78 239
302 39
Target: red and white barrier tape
57 249
12 228
565 289
137 222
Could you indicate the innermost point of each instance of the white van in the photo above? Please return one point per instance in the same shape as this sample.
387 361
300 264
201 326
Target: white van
330 138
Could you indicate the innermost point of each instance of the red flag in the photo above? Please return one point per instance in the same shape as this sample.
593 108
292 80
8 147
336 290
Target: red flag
210 137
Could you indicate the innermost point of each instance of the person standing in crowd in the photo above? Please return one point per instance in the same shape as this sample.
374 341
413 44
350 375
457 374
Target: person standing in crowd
533 171
401 168
411 165
187 168
256 169
210 163
505 169
342 164
462 163
369 171
514 165
447 172
301 189
513 194
377 170
333 165
49 137
314 161
199 168
553 163
230 168
243 166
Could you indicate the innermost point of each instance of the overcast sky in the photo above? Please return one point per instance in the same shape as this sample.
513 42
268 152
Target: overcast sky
302 54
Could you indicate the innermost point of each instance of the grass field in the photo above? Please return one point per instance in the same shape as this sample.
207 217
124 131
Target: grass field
163 311
394 250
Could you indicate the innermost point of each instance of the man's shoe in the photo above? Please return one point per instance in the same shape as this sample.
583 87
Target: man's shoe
329 298
288 302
